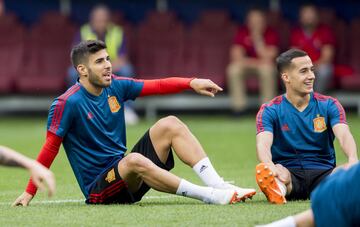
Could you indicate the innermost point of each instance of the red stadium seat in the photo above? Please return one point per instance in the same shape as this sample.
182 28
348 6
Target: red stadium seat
282 26
48 55
160 46
207 47
11 54
352 82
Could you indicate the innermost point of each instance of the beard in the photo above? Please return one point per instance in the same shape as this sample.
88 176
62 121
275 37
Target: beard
95 80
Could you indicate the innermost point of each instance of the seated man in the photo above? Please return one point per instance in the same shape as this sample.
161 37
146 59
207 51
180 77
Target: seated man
89 120
318 41
253 53
328 208
296 131
42 177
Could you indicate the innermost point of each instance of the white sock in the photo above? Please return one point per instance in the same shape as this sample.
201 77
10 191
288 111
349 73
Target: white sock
205 170
282 186
286 222
194 191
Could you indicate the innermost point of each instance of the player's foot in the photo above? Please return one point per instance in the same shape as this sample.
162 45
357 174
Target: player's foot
222 197
242 193
268 185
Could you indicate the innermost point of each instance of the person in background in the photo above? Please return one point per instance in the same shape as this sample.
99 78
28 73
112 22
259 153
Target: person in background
252 54
318 41
296 133
100 27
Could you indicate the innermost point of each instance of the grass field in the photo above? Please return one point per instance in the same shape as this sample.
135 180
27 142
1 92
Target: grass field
229 143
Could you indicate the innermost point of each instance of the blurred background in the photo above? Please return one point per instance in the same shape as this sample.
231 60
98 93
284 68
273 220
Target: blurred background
162 38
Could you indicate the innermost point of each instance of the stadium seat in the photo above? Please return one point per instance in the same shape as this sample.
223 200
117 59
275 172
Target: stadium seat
207 46
282 26
11 54
130 33
352 82
160 41
47 55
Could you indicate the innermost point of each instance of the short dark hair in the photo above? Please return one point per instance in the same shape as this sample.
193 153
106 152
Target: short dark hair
80 52
283 61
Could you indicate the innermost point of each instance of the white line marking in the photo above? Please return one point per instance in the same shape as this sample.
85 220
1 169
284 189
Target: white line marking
83 200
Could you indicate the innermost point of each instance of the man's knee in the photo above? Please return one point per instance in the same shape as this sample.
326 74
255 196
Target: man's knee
138 163
171 125
234 69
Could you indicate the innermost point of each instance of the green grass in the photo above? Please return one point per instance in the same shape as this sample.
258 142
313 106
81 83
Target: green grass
229 143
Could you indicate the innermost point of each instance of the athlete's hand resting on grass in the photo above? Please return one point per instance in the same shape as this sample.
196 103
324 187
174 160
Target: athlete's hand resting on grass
23 200
205 87
42 177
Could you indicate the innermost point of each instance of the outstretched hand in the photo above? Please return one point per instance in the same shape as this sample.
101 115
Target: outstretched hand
205 87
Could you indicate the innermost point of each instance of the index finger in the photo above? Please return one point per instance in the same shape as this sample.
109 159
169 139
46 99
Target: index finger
215 86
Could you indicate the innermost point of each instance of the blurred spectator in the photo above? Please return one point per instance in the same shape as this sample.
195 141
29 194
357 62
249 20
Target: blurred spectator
101 27
2 8
318 41
252 54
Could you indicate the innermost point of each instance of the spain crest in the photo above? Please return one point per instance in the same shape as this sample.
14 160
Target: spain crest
319 124
113 104
110 176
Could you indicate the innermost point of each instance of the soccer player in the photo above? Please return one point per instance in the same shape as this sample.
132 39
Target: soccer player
43 178
88 119
296 131
328 208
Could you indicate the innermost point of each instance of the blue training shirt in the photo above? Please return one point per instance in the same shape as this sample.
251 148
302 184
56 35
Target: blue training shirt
92 127
302 139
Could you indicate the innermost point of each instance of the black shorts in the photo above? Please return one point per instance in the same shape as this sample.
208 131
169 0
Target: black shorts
304 182
109 188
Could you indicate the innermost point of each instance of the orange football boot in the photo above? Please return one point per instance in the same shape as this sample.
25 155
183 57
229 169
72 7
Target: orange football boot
266 181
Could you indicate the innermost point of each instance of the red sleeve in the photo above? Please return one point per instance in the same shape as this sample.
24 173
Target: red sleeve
46 156
169 85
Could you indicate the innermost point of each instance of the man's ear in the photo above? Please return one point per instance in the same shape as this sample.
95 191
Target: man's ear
82 70
285 76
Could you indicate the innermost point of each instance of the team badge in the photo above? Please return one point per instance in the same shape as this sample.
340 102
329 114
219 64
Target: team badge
319 124
110 176
113 104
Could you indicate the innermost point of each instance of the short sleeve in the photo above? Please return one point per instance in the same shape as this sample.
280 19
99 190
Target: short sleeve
127 88
60 117
336 112
264 120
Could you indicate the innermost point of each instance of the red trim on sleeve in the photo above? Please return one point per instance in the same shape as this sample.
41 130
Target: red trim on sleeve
259 117
59 108
342 116
46 156
169 85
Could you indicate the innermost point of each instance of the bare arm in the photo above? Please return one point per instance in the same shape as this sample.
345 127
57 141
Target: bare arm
237 54
9 157
327 55
264 141
265 52
347 142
